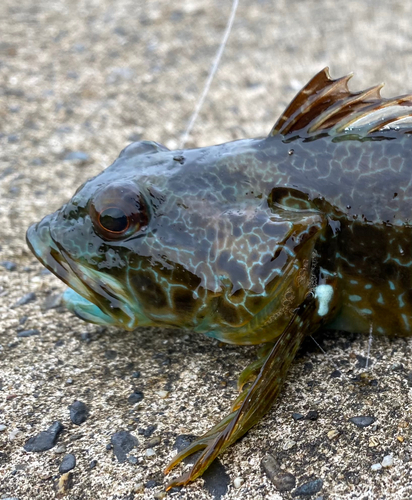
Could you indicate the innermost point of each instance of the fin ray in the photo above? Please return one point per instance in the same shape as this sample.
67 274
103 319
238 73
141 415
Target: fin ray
327 105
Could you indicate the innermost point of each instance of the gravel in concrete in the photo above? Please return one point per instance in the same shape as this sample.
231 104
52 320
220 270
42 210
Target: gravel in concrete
78 82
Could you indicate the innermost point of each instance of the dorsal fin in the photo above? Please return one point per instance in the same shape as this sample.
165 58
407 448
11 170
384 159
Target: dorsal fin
328 105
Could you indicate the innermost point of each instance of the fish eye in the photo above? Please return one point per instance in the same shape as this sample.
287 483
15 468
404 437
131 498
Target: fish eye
114 220
118 211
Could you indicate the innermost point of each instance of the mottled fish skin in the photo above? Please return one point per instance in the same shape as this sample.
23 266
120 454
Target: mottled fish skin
215 256
253 241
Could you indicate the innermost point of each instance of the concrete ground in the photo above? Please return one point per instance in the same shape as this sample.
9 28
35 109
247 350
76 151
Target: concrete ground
81 79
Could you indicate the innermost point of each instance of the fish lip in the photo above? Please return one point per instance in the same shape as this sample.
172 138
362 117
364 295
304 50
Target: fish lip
47 252
40 241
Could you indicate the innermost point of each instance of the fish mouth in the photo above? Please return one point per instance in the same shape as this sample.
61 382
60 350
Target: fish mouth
92 298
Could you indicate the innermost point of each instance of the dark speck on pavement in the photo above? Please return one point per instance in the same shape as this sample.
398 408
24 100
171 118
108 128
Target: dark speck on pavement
68 463
28 333
123 442
363 421
78 412
309 488
29 297
45 440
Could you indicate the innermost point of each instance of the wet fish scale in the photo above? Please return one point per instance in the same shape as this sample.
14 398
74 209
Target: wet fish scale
258 241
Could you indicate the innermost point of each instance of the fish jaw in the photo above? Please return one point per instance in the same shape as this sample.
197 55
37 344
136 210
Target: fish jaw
85 296
40 242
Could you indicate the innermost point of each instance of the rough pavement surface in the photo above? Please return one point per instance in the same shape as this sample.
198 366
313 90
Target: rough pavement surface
79 80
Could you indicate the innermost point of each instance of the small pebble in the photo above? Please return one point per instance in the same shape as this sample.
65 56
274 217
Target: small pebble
297 416
92 464
78 412
132 459
60 449
288 444
309 488
312 415
373 442
68 463
28 333
9 266
64 484
163 394
139 488
85 337
376 467
151 483
75 437
396 367
387 461
29 297
150 453
237 483
3 427
110 354
123 442
150 430
14 434
153 442
160 495
45 440
333 434
283 480
362 361
135 397
362 421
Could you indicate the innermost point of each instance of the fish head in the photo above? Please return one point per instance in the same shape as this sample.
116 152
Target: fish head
92 242
179 239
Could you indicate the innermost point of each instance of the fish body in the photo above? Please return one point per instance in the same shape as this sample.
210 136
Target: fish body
257 241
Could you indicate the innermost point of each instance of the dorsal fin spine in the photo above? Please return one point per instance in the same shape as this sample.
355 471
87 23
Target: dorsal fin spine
315 98
326 105
370 94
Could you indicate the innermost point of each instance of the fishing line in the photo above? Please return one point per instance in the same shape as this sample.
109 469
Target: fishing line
344 400
369 346
211 74
329 360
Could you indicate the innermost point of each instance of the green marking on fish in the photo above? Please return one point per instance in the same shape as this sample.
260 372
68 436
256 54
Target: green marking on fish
324 294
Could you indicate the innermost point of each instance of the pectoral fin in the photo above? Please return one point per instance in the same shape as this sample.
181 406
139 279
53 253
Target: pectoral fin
250 407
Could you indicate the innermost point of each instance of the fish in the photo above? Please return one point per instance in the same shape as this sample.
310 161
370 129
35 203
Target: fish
252 242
